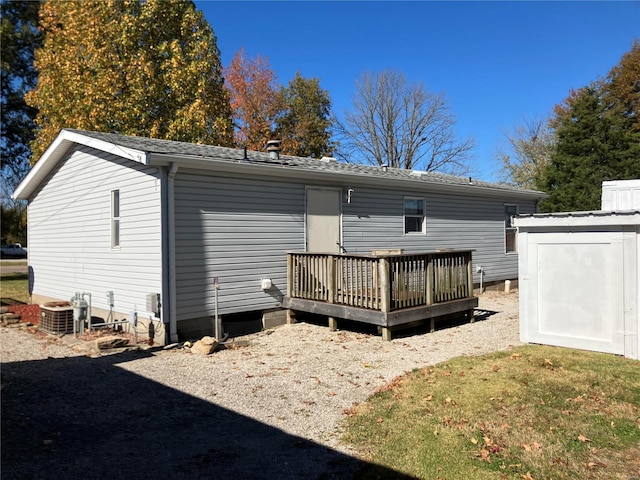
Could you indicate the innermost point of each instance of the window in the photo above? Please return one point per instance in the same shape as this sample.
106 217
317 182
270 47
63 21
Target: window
115 218
510 237
414 218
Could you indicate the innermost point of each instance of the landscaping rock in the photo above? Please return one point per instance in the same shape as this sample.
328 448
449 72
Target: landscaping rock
105 343
205 346
10 318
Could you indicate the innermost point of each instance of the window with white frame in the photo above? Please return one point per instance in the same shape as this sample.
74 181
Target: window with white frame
414 216
115 218
510 232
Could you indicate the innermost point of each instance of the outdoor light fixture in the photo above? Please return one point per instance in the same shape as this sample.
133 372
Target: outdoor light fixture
349 193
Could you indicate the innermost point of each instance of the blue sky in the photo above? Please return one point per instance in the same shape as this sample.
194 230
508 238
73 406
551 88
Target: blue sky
497 62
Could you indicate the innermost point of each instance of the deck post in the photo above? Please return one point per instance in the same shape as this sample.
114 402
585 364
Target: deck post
386 334
469 275
333 324
471 313
331 289
331 279
290 273
385 285
429 280
385 293
291 317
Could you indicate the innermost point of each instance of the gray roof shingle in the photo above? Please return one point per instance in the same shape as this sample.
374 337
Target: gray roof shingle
170 147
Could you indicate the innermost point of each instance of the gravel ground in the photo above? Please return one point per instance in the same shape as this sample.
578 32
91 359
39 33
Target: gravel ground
271 409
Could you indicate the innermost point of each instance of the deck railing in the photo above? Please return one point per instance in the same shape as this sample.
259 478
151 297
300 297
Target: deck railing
381 282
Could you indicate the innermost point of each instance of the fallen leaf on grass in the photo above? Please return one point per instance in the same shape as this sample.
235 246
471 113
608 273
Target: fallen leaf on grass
495 368
597 464
484 455
582 438
531 446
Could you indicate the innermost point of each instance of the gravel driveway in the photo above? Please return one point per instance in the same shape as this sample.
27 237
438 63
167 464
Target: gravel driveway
271 409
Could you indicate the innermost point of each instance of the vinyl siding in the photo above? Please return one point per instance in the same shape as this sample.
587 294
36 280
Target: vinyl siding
69 231
375 219
236 229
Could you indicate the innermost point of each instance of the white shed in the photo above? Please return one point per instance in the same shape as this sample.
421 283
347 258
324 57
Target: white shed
579 280
621 195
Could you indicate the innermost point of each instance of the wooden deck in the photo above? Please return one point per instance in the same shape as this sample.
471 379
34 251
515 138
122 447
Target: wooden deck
387 290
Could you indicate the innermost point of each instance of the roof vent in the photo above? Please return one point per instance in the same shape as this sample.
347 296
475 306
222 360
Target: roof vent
328 159
384 167
273 148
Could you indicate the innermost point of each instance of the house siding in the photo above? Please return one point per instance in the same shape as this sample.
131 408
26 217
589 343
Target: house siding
69 233
375 219
236 229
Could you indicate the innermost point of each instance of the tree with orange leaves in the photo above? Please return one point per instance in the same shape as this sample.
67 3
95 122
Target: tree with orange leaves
255 98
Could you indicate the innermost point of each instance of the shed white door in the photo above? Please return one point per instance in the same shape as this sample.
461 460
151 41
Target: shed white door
323 220
574 290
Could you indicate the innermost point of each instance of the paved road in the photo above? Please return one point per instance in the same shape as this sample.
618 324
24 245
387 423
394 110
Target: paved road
13 266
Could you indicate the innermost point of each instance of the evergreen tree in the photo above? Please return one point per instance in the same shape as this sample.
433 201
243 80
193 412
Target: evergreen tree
149 68
305 122
597 139
20 37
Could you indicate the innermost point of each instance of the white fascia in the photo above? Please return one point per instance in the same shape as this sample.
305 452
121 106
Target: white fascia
56 152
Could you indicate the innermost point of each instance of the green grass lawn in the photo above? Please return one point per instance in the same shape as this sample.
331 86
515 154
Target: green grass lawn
14 288
534 412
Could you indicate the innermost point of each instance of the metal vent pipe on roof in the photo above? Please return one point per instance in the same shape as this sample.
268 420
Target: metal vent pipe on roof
273 148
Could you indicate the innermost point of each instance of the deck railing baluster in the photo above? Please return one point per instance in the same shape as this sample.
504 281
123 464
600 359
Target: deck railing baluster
378 282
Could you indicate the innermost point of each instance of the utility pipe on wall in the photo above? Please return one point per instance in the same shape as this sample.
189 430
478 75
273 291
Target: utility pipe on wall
171 236
480 270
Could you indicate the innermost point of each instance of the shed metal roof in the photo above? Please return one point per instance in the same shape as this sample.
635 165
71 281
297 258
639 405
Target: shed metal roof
587 218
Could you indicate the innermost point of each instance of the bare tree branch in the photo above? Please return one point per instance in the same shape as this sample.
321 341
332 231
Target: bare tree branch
401 125
530 145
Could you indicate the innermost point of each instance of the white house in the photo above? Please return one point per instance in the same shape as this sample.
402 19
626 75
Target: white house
143 217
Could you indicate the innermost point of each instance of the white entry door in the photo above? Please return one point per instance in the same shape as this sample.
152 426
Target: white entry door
323 220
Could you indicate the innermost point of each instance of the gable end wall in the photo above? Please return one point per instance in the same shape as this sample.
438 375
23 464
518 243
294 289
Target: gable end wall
69 231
